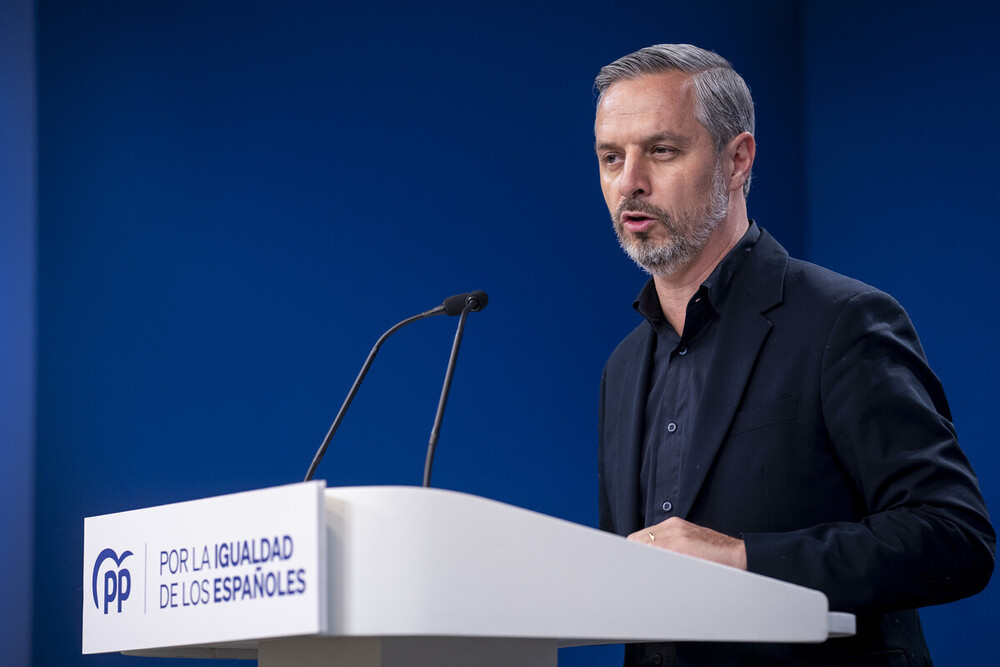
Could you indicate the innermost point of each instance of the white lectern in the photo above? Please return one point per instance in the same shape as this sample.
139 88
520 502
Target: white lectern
389 576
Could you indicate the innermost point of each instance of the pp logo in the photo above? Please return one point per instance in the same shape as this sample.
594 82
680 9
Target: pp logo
117 581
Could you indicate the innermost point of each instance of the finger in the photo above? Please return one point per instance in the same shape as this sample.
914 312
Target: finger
643 536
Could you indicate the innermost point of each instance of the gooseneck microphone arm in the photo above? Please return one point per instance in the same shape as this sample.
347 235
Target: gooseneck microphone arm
475 301
453 305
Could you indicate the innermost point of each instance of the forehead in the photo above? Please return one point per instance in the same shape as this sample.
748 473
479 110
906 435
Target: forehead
658 102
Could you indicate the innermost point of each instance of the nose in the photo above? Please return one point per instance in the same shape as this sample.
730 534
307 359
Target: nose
634 179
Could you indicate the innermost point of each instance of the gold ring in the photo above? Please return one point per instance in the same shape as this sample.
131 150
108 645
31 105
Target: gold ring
652 538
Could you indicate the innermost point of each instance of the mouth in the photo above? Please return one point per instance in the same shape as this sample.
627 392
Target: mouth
636 222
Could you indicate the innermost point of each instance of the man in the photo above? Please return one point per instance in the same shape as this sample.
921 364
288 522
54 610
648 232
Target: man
767 414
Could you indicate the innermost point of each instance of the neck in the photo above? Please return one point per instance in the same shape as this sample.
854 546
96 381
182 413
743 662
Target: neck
675 290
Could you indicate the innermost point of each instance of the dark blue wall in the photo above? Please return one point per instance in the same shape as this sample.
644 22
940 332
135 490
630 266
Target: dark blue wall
901 115
237 198
17 271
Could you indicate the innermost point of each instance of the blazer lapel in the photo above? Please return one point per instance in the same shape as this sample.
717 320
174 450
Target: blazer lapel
743 328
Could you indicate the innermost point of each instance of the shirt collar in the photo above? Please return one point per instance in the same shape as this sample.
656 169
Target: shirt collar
713 289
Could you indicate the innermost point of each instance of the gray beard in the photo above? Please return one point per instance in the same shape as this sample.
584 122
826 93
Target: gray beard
686 237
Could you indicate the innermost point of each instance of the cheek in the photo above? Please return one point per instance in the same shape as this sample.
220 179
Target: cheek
700 188
681 192
611 199
611 196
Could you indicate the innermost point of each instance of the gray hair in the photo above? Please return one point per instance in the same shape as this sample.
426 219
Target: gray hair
722 99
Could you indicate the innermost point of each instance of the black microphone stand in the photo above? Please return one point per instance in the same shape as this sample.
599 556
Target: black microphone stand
471 304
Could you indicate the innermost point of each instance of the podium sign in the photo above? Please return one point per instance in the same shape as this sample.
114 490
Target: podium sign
233 568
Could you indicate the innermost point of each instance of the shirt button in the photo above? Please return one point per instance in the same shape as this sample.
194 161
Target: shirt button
682 351
671 427
667 506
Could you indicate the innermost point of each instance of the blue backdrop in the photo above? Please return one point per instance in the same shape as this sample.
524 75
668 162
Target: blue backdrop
236 198
17 312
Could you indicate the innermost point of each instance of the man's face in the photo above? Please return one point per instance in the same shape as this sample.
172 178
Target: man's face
660 175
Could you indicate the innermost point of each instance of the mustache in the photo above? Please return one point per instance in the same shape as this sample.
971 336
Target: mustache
640 206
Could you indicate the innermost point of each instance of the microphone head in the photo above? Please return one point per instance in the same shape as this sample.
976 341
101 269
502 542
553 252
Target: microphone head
477 300
454 305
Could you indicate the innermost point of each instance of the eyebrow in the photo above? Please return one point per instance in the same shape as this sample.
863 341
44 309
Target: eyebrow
669 137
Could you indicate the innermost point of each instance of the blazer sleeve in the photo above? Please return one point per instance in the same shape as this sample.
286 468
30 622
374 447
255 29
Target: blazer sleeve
923 535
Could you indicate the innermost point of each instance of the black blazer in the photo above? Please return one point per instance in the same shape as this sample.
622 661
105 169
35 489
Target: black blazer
822 439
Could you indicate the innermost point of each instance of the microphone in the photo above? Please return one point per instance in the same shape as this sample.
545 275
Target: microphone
477 299
474 301
453 305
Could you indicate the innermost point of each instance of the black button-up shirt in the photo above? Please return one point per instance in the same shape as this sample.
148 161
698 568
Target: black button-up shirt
677 377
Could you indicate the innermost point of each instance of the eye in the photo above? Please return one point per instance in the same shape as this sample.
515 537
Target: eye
610 158
663 150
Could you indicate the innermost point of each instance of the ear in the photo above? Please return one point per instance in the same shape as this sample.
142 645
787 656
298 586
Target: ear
741 151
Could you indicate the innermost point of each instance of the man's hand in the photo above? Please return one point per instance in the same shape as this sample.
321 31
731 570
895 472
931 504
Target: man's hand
684 537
